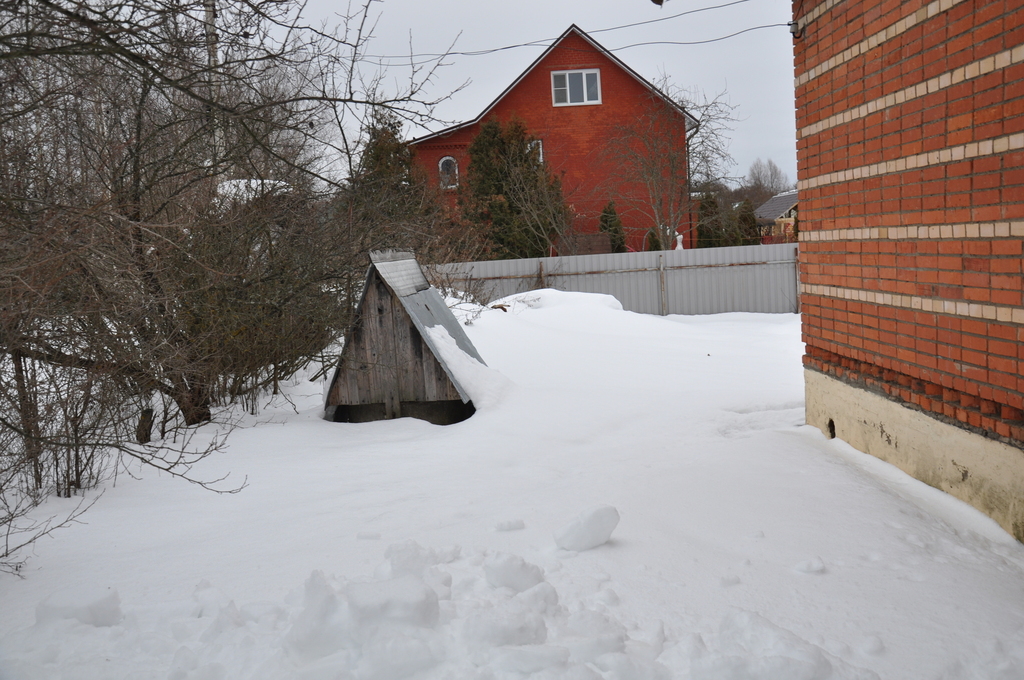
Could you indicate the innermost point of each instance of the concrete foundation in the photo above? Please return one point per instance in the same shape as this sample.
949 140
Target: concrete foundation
985 473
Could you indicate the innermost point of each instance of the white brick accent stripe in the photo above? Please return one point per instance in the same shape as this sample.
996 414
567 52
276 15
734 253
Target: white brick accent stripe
986 147
973 70
888 33
817 12
955 307
934 231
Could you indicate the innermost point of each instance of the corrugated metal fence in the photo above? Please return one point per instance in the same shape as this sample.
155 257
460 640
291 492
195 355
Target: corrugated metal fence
702 281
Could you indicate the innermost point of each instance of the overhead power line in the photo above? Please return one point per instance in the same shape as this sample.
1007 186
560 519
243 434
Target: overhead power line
697 42
545 42
671 16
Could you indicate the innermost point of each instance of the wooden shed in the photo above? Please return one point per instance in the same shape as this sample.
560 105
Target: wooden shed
391 364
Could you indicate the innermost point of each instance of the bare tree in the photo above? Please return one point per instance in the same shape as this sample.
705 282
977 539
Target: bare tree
677 147
764 180
170 234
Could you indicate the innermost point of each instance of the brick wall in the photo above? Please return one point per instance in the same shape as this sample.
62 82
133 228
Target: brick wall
910 126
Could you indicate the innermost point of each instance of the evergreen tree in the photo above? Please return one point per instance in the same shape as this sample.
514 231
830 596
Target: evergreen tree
654 240
611 224
390 200
511 195
708 221
386 157
746 220
381 194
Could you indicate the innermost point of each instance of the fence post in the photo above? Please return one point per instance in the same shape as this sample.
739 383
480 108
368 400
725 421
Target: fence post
662 297
797 277
540 273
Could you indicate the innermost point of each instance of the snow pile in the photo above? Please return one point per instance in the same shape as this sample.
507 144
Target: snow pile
752 647
81 604
484 385
591 529
428 614
724 540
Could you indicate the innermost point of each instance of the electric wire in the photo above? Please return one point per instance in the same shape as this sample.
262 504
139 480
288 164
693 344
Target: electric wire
673 16
545 42
698 42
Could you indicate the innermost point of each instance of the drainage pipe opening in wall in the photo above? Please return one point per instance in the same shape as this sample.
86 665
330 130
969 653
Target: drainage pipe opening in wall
831 429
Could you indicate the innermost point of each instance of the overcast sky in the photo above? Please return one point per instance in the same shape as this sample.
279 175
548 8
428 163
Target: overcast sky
755 68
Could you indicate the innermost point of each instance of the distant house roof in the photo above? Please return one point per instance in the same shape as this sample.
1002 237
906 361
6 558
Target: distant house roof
777 206
691 122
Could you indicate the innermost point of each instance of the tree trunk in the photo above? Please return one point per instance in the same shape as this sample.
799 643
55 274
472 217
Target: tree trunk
28 411
144 430
193 400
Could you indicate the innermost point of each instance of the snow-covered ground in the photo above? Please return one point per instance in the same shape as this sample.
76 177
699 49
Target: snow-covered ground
747 545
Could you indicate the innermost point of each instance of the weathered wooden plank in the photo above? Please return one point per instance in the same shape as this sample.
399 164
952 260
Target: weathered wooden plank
404 380
386 363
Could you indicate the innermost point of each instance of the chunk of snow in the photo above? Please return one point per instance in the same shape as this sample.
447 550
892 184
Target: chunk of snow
815 565
510 525
397 655
542 598
227 619
322 627
591 529
531 658
871 644
513 622
620 666
209 600
512 571
495 628
406 599
93 607
440 581
753 647
409 557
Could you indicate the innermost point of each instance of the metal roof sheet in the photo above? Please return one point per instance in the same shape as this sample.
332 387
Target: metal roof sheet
425 306
400 271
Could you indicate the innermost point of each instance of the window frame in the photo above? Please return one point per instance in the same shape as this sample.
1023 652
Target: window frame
537 144
585 102
441 173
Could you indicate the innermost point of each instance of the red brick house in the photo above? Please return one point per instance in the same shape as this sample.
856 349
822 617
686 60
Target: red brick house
576 98
910 125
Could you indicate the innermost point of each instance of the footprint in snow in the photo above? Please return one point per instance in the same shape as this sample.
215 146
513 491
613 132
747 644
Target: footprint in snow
510 525
812 566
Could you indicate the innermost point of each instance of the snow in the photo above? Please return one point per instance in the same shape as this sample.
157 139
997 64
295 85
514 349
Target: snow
724 538
591 529
484 385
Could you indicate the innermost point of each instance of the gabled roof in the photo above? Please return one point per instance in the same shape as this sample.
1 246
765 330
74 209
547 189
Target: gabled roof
691 122
402 273
776 206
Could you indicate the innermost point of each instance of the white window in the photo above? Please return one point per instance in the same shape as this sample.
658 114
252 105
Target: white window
575 88
536 147
448 170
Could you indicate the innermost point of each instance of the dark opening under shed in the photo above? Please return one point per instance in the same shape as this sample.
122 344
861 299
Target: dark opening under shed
391 364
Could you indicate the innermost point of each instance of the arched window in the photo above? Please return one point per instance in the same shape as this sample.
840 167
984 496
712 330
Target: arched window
448 169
